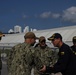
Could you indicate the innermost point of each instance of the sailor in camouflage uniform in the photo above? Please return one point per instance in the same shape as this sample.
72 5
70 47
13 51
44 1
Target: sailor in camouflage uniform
21 57
43 52
1 35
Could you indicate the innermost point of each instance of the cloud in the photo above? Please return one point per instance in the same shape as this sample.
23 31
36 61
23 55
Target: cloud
69 14
55 15
45 15
49 15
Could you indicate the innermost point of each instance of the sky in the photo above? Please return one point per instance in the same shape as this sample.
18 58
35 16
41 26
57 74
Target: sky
37 14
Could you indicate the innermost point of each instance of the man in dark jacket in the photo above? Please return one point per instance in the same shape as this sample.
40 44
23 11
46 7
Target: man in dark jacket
65 61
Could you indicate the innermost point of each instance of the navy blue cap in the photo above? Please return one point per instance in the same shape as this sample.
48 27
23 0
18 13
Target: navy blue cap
55 36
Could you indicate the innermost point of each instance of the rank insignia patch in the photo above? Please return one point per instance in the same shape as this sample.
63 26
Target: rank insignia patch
62 53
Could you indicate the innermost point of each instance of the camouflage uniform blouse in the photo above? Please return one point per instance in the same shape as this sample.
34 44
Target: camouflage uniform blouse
20 60
45 55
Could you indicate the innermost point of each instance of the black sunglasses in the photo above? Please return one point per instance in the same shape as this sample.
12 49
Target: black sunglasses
43 41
